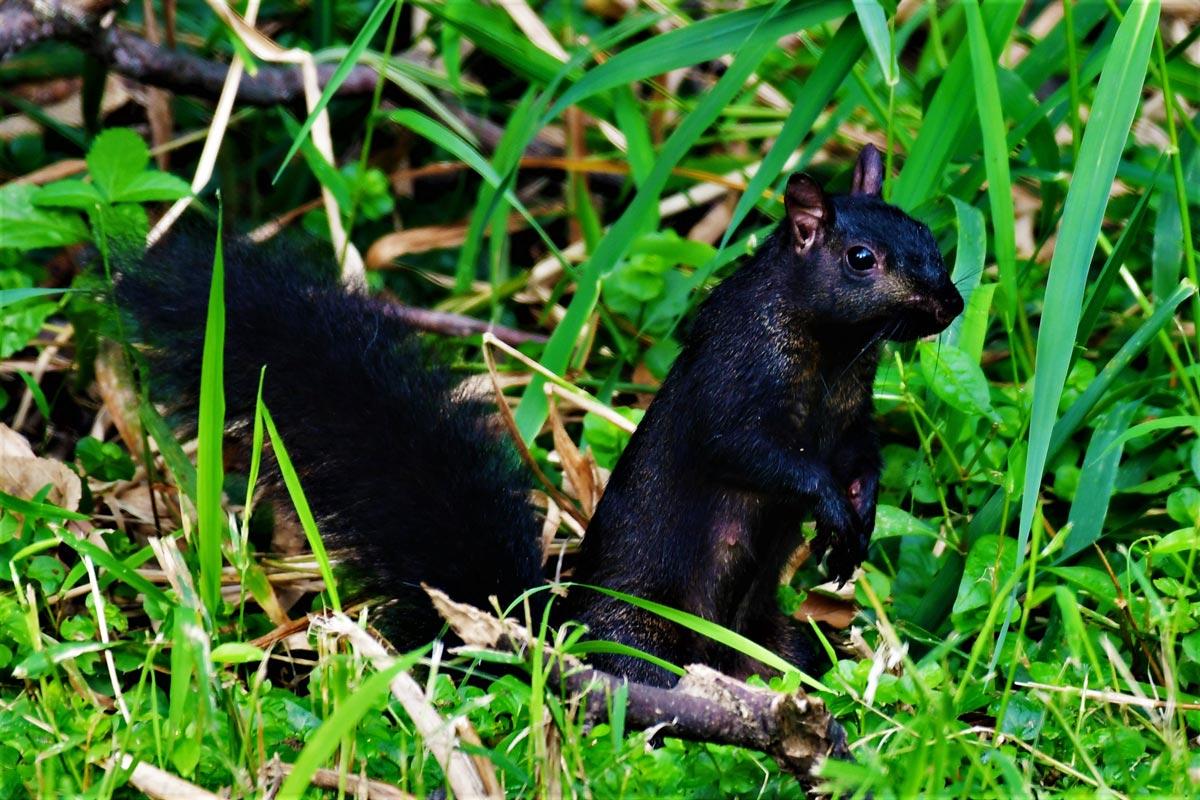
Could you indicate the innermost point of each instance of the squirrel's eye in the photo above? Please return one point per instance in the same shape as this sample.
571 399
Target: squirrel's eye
860 258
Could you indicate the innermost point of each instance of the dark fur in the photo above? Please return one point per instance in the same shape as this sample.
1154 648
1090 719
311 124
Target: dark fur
764 420
407 478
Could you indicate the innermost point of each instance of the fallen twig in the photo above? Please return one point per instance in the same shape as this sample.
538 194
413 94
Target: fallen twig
706 706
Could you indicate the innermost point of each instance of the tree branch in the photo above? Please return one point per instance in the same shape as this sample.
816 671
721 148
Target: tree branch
89 27
706 706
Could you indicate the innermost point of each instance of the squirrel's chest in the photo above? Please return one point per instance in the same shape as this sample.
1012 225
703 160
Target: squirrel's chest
822 409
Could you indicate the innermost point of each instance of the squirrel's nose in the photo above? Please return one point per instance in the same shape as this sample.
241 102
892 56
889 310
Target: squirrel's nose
950 307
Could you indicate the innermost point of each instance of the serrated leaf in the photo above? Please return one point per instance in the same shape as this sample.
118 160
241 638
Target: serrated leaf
19 326
957 379
24 226
68 194
116 157
152 186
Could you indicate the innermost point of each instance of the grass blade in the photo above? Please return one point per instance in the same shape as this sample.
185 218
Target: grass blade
1097 479
1117 98
830 73
1112 266
210 474
875 27
995 156
532 411
923 170
292 481
343 69
699 42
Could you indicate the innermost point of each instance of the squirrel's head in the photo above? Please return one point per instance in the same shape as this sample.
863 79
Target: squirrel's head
861 263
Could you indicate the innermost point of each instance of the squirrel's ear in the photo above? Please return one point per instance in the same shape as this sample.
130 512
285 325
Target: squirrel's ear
868 172
808 210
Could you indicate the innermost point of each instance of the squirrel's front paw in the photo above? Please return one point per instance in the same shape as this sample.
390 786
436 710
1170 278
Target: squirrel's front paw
843 542
845 554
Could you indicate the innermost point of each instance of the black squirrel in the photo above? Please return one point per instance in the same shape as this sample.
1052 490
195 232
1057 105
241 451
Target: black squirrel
764 418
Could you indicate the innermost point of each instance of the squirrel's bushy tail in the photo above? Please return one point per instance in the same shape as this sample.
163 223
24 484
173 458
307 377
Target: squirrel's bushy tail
408 480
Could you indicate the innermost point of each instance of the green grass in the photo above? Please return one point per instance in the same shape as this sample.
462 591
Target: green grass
1029 614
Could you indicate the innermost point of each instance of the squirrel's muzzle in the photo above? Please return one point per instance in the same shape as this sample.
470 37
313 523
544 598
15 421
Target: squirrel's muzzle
927 313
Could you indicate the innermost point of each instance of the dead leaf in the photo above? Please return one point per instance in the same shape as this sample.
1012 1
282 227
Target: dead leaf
580 478
22 474
387 248
116 389
823 608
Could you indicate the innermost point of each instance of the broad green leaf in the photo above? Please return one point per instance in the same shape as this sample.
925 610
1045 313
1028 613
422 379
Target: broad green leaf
894 522
988 565
69 193
24 226
104 461
153 186
10 297
18 326
1183 505
957 379
237 653
970 252
116 157
1184 540
605 439
39 664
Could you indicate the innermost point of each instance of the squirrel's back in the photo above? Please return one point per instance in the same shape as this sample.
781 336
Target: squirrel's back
432 494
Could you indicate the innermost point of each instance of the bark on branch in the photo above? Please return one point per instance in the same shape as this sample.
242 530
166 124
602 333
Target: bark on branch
706 706
90 27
